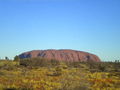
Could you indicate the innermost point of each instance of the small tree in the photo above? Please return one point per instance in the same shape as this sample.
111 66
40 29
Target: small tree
116 61
6 58
16 58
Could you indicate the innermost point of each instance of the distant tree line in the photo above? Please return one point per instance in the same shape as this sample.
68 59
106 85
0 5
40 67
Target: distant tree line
90 65
43 62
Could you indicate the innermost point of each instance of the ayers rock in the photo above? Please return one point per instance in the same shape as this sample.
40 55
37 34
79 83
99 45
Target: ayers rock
61 55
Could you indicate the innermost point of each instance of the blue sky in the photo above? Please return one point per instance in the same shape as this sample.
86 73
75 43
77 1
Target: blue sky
86 25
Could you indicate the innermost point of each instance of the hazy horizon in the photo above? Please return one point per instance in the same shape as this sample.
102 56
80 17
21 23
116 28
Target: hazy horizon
85 25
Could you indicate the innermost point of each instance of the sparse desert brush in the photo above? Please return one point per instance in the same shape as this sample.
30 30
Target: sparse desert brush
57 76
8 65
102 81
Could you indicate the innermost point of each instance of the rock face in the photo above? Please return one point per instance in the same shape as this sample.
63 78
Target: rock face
61 55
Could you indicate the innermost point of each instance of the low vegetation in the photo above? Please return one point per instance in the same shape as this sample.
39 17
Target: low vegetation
43 74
